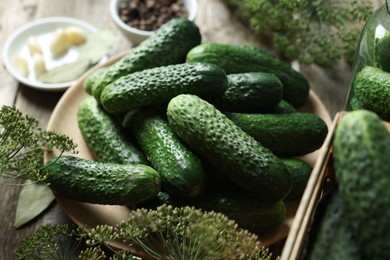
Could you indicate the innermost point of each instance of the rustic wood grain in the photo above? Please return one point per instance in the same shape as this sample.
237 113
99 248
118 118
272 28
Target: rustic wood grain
9 238
216 23
12 15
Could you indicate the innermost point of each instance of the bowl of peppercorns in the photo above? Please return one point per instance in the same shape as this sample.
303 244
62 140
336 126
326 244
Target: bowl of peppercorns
138 19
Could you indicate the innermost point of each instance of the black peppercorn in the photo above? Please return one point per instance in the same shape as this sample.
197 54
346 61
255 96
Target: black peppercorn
149 15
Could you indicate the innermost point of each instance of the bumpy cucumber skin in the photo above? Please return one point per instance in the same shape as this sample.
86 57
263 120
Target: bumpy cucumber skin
90 80
283 107
242 58
291 134
300 172
250 92
330 236
355 104
372 89
224 145
361 156
249 213
105 136
168 45
101 183
181 170
159 85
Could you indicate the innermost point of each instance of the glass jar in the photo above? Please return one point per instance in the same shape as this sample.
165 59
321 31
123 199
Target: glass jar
370 84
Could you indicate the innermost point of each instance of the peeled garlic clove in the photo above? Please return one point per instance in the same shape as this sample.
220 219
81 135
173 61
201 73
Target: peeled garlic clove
39 64
59 43
21 64
33 45
76 35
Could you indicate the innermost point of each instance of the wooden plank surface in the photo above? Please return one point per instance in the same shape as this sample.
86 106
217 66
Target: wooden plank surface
216 23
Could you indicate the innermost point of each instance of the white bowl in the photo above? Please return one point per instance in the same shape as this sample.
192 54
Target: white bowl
134 35
43 30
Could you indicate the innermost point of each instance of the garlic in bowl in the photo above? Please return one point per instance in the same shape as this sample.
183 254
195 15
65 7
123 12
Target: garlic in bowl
137 19
49 53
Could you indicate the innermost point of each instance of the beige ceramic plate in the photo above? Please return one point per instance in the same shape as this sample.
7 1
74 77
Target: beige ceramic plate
64 120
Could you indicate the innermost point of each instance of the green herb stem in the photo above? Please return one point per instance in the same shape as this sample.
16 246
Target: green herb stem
311 31
23 144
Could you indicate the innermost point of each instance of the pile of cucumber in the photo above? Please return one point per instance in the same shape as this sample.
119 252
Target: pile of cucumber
183 122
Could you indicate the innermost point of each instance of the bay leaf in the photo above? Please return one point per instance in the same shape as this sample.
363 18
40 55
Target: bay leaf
91 52
34 198
97 45
66 72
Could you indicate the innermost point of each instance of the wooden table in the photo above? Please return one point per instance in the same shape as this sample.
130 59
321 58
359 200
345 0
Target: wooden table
216 24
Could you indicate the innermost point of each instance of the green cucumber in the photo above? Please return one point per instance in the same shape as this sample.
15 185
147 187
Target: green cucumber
300 172
224 145
372 89
381 51
159 85
283 107
101 183
248 212
291 134
361 161
90 80
217 181
355 104
181 171
242 58
105 136
330 236
250 92
167 45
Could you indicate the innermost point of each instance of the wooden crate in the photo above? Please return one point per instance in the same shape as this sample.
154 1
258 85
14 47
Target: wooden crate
321 178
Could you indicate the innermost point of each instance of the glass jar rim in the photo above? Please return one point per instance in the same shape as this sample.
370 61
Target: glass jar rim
388 5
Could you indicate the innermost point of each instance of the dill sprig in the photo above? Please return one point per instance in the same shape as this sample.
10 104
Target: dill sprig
22 144
50 242
310 31
164 233
188 233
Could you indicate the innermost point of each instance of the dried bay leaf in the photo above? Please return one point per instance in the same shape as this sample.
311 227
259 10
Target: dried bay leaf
97 45
66 72
34 198
91 52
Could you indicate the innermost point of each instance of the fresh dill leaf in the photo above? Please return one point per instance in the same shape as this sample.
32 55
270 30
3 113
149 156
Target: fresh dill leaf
163 233
50 242
92 253
22 144
312 31
189 233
